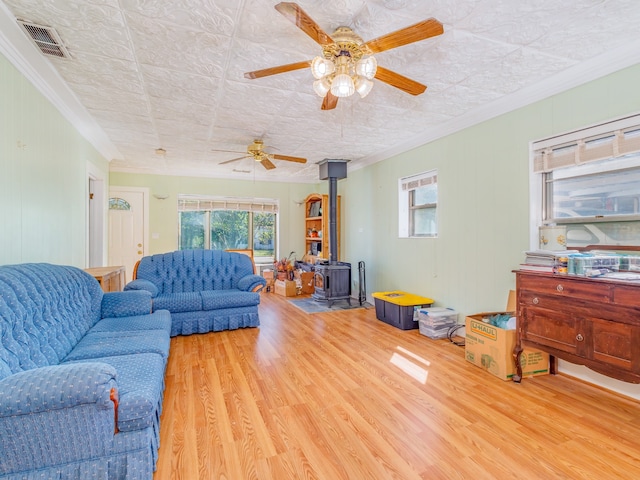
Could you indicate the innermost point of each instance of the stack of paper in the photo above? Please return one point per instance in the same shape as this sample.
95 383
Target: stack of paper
546 261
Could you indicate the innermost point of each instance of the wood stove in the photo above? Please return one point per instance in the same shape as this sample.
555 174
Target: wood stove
332 282
332 279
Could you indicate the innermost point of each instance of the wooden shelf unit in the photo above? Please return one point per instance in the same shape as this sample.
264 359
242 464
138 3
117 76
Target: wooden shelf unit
319 246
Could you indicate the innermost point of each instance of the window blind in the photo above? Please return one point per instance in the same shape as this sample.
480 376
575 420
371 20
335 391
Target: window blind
416 181
189 203
586 146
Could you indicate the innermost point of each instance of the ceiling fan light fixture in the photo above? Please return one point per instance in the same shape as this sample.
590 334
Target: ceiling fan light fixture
363 86
342 86
367 67
321 86
321 67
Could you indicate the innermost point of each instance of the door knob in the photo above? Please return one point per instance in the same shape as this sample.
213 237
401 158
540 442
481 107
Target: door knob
579 337
139 245
139 252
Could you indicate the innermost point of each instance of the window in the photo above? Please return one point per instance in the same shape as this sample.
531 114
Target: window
118 204
591 183
219 223
417 206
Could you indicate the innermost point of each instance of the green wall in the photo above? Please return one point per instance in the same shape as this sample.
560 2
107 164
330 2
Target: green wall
483 204
43 177
483 182
163 214
483 176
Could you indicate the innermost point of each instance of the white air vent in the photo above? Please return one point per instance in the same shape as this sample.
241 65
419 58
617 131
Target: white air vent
46 39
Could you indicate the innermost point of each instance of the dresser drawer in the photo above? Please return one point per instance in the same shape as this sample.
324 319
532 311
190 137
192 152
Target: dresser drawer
627 296
563 286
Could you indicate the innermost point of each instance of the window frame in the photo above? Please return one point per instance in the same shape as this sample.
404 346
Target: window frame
598 150
407 207
209 204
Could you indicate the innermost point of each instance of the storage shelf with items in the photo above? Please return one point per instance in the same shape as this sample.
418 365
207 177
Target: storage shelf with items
316 226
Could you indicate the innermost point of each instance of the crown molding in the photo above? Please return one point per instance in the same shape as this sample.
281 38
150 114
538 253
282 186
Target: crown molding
575 76
31 63
181 172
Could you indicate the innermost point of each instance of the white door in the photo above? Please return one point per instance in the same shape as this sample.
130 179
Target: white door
128 219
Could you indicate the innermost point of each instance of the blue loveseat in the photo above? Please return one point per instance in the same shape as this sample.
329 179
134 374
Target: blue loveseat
205 290
81 376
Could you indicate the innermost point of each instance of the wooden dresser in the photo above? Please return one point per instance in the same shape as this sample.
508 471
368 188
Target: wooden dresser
591 322
111 279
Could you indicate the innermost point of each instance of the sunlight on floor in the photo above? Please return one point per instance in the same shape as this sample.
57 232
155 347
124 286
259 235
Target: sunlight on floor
409 367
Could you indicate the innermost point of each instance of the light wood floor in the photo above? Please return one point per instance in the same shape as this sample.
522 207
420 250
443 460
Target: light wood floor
344 396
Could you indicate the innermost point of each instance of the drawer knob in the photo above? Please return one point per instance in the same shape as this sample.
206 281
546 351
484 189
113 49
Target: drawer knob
535 300
560 288
579 337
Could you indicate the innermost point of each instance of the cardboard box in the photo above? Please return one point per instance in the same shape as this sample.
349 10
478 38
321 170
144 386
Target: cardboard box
270 278
491 348
286 288
267 274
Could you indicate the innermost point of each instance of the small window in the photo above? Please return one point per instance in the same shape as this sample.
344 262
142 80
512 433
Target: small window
417 208
119 204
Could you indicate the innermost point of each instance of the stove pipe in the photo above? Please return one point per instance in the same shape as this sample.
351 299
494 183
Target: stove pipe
333 170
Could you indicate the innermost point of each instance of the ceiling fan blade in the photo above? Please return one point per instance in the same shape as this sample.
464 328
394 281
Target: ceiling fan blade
304 22
266 163
275 70
396 80
227 151
234 160
414 33
330 101
289 159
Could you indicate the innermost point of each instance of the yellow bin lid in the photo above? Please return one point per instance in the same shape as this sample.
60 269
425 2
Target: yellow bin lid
403 299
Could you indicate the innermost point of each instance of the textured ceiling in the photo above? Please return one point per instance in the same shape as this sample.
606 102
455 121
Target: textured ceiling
169 73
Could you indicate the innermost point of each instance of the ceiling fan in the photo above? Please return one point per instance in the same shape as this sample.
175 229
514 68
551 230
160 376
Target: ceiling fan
256 150
347 64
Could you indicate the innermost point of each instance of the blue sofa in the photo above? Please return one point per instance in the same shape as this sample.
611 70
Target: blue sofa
205 290
81 376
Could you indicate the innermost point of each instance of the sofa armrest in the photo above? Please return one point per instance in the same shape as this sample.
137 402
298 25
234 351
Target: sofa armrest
251 283
55 415
125 304
56 387
141 284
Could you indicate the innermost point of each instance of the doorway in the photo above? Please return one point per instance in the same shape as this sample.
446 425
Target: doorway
95 218
128 226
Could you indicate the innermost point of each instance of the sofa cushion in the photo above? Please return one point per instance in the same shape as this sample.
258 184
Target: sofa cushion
217 299
106 344
160 320
178 302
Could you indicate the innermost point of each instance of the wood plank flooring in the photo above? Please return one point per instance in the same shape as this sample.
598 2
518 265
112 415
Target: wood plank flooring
334 396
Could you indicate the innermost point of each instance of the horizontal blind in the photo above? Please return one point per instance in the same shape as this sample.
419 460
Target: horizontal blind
417 181
580 150
189 203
